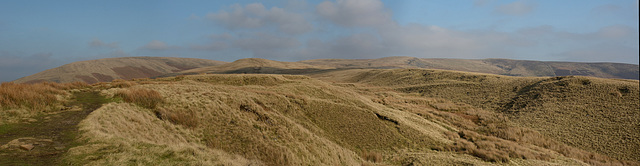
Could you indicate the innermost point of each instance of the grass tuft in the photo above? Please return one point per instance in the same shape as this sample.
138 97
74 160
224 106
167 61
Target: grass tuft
372 156
142 97
182 117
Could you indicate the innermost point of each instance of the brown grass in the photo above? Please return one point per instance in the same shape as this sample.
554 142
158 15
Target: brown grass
33 96
119 83
142 97
18 101
297 120
372 156
598 113
184 117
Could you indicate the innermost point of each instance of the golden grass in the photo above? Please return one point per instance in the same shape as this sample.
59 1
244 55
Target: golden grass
26 100
119 83
297 120
146 98
123 134
184 117
461 98
371 156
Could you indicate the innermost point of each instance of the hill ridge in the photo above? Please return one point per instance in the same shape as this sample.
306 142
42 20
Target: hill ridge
104 70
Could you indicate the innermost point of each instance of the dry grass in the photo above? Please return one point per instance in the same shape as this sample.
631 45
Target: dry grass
297 120
123 134
26 100
372 156
119 83
184 117
32 96
541 103
146 98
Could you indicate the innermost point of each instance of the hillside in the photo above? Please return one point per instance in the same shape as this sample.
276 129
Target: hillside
353 117
102 70
324 113
490 66
105 70
257 66
594 114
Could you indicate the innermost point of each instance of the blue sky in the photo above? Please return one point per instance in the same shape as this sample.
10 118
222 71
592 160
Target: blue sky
38 35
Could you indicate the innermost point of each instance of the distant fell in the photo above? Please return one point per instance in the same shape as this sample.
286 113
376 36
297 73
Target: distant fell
491 66
105 70
258 65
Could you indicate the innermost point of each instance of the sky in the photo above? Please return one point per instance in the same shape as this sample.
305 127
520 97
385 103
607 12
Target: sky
39 35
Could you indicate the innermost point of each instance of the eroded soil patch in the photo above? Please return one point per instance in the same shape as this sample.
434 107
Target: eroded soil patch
43 142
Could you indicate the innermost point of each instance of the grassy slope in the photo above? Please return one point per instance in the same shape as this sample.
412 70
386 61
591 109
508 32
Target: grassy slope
98 70
491 66
597 115
256 65
288 120
362 116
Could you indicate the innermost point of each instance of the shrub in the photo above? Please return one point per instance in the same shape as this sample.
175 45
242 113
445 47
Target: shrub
142 97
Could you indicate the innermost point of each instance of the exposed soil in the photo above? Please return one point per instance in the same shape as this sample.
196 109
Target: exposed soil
46 138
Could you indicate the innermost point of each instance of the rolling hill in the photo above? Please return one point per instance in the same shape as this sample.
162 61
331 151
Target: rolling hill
491 66
105 70
259 66
333 115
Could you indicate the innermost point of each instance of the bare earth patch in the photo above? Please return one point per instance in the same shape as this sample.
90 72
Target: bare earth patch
42 142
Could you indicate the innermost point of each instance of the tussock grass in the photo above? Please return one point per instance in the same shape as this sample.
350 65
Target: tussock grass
375 157
119 83
545 109
124 134
26 100
396 117
146 98
185 117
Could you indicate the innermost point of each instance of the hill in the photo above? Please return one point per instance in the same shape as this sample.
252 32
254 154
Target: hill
105 70
259 66
491 66
351 117
102 70
594 114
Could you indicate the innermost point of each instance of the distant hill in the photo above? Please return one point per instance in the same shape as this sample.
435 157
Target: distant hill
329 116
491 66
105 70
258 65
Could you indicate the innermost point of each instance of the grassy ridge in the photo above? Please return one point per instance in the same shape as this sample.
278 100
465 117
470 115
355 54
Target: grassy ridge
293 120
361 117
601 114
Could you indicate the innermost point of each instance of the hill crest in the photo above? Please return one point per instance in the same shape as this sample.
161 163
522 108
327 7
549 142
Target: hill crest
108 69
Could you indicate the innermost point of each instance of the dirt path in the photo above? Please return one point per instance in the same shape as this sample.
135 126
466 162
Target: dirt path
44 141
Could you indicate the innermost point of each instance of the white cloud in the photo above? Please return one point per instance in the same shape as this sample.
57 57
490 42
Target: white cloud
355 12
517 8
255 15
372 33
